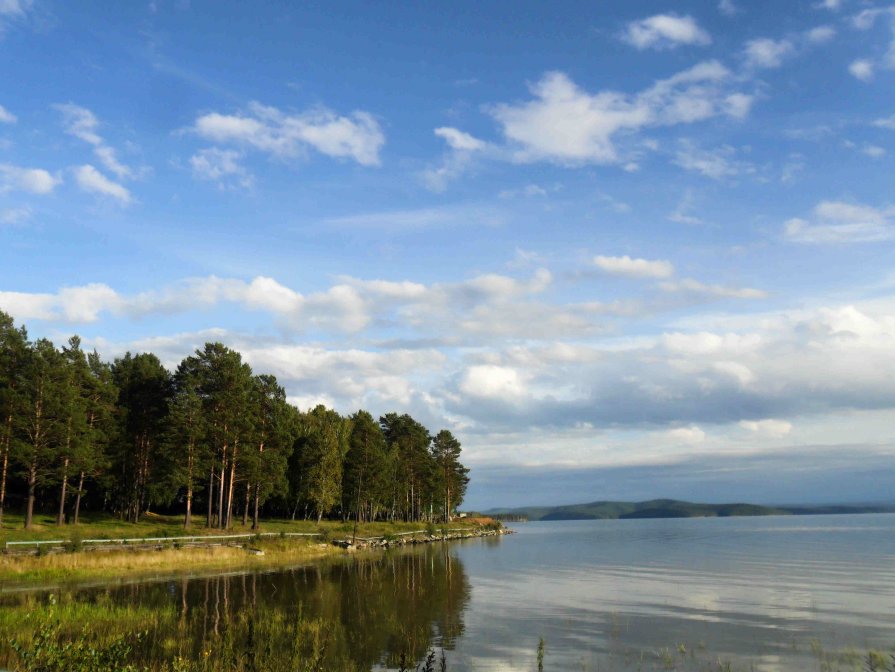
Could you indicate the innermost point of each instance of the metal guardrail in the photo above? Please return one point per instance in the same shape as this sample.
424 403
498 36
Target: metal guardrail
150 540
206 538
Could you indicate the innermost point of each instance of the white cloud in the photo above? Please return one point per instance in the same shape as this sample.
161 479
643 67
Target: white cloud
861 69
11 10
7 117
728 8
770 427
83 124
716 163
33 180
269 130
767 53
840 222
567 125
221 166
873 151
820 34
14 7
15 216
683 212
456 162
91 180
738 105
664 31
634 268
422 218
696 288
528 191
688 435
866 18
498 382
459 140
832 5
887 122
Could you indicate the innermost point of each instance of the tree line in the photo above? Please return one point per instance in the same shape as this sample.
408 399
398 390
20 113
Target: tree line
79 433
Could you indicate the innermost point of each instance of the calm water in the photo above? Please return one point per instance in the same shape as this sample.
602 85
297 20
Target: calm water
780 593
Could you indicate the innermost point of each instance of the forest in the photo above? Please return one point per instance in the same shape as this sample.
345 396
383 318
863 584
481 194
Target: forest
212 440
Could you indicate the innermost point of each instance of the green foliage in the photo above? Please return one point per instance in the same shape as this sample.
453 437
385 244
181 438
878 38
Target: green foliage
51 651
74 544
79 434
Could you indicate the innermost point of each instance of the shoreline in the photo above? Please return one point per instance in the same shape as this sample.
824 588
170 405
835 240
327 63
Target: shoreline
121 565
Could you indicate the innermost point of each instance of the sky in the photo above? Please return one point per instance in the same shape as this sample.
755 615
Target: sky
621 250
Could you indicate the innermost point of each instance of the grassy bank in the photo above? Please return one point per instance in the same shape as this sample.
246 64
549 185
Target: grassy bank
79 562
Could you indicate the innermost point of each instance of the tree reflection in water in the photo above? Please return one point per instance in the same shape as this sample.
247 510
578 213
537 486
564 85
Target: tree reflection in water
358 614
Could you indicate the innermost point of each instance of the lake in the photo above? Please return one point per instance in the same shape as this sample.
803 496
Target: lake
766 594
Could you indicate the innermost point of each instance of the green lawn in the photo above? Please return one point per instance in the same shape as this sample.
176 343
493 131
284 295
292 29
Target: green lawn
104 526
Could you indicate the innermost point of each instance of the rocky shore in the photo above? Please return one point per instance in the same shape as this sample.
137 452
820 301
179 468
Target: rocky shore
414 538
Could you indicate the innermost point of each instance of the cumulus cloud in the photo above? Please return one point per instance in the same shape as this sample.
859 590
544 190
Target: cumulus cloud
13 10
688 435
462 148
567 125
634 268
459 140
861 69
728 7
665 31
487 380
820 34
269 130
771 369
32 180
7 117
83 124
841 222
769 427
767 53
222 166
716 163
696 288
89 179
15 216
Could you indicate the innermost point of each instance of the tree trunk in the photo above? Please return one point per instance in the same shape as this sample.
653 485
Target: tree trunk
6 444
209 521
257 504
60 516
32 488
221 489
245 509
230 486
188 517
78 498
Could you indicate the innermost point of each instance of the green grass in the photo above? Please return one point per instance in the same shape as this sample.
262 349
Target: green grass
131 563
105 526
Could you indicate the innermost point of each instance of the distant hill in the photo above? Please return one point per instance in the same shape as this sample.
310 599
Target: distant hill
670 508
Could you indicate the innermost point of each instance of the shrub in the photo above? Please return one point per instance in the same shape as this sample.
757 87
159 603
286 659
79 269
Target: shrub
75 544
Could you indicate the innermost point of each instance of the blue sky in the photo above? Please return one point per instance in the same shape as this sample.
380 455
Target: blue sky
622 250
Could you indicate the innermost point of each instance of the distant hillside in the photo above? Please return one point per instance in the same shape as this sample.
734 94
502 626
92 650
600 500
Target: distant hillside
670 508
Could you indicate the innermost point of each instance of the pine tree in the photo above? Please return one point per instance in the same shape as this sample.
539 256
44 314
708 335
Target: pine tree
13 354
42 423
100 396
365 472
144 389
451 476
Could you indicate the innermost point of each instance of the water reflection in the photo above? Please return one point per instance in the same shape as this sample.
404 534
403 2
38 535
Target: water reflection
359 614
765 595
